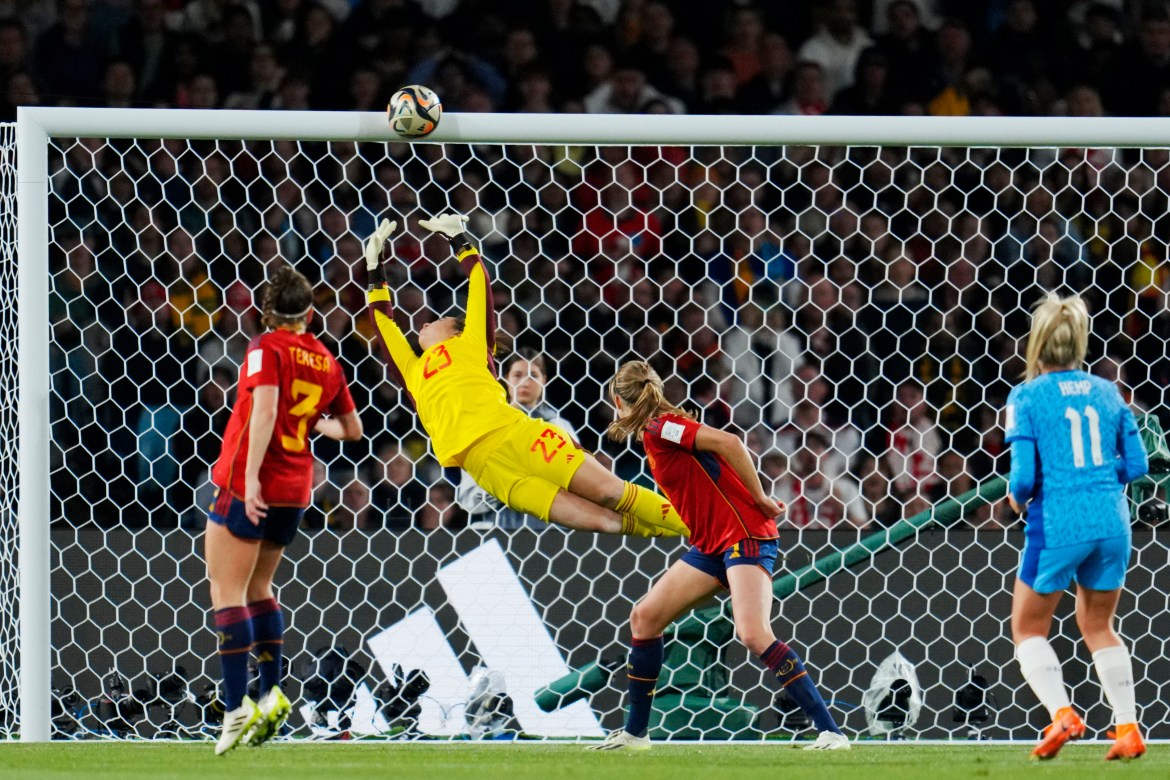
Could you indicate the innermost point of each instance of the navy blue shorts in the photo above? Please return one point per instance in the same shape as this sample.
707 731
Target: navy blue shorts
745 552
279 526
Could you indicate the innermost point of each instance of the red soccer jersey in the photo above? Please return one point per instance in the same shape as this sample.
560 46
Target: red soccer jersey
703 487
310 382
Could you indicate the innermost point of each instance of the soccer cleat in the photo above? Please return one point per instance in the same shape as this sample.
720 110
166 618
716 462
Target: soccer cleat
1128 743
236 724
830 740
274 710
622 740
1067 725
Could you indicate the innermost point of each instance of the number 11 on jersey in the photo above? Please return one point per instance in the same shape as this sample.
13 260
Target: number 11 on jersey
1078 441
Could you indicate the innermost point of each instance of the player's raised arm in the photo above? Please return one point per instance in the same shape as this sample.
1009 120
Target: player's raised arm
481 312
397 351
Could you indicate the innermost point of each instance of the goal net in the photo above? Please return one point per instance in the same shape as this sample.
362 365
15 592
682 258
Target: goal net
856 310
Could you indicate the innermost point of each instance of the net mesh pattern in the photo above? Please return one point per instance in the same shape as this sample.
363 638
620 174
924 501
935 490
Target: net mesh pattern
856 312
9 442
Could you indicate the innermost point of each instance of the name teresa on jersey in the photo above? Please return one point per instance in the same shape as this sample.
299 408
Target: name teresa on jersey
314 360
1079 387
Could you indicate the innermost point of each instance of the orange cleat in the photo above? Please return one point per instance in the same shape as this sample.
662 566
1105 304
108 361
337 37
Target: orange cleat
1127 745
1067 725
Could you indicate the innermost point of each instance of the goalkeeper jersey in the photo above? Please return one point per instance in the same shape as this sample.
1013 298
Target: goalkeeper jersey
714 503
452 384
1086 446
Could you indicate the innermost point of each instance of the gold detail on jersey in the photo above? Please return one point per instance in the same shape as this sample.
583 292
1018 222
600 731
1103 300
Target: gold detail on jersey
309 394
313 360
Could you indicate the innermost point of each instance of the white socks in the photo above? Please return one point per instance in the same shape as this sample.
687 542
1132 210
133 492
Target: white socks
1041 669
1115 671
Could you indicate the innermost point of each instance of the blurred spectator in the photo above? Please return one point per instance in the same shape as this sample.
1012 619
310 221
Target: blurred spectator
440 509
1139 74
626 92
870 93
819 499
149 47
909 49
809 97
398 497
947 92
837 45
914 447
69 55
877 494
763 362
743 41
13 48
765 91
265 76
19 90
118 85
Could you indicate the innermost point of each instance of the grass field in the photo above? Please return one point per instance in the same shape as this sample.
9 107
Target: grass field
553 762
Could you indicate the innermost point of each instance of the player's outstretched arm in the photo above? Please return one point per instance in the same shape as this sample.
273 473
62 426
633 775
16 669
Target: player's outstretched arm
731 448
481 312
396 350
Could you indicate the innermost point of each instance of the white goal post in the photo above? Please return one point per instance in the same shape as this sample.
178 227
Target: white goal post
36 128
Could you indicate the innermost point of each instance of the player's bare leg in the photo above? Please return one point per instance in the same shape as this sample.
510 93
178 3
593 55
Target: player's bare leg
268 625
230 563
1031 621
1096 611
645 511
679 590
580 514
751 604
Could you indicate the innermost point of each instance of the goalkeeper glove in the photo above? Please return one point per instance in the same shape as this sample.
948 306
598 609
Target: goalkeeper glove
377 242
450 225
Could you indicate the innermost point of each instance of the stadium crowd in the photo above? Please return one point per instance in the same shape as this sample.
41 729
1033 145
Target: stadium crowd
855 313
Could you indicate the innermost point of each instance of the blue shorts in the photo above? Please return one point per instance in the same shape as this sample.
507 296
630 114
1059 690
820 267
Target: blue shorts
753 552
1096 565
279 526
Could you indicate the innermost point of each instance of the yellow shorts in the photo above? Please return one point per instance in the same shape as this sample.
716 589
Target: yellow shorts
524 464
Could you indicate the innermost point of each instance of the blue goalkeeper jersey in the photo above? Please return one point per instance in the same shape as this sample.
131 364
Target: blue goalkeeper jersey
1074 445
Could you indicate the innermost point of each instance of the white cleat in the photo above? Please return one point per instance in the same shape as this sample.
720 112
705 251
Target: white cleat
830 740
622 740
274 711
236 724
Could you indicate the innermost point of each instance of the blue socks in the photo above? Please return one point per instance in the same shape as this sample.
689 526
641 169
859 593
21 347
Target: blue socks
642 670
233 626
793 677
268 636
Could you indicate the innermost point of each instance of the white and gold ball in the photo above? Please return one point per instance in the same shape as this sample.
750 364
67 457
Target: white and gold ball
414 111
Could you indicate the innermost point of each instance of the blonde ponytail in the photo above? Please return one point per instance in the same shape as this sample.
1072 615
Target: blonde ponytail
1059 336
639 387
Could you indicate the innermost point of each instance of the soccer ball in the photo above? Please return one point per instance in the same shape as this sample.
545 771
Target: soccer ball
414 111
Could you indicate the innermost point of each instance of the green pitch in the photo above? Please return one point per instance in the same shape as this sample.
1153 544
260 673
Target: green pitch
95 761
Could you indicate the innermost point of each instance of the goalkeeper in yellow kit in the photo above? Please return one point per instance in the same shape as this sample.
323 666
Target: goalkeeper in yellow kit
530 464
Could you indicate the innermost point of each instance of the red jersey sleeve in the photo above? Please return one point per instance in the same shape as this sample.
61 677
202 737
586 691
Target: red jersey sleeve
672 430
261 365
342 402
